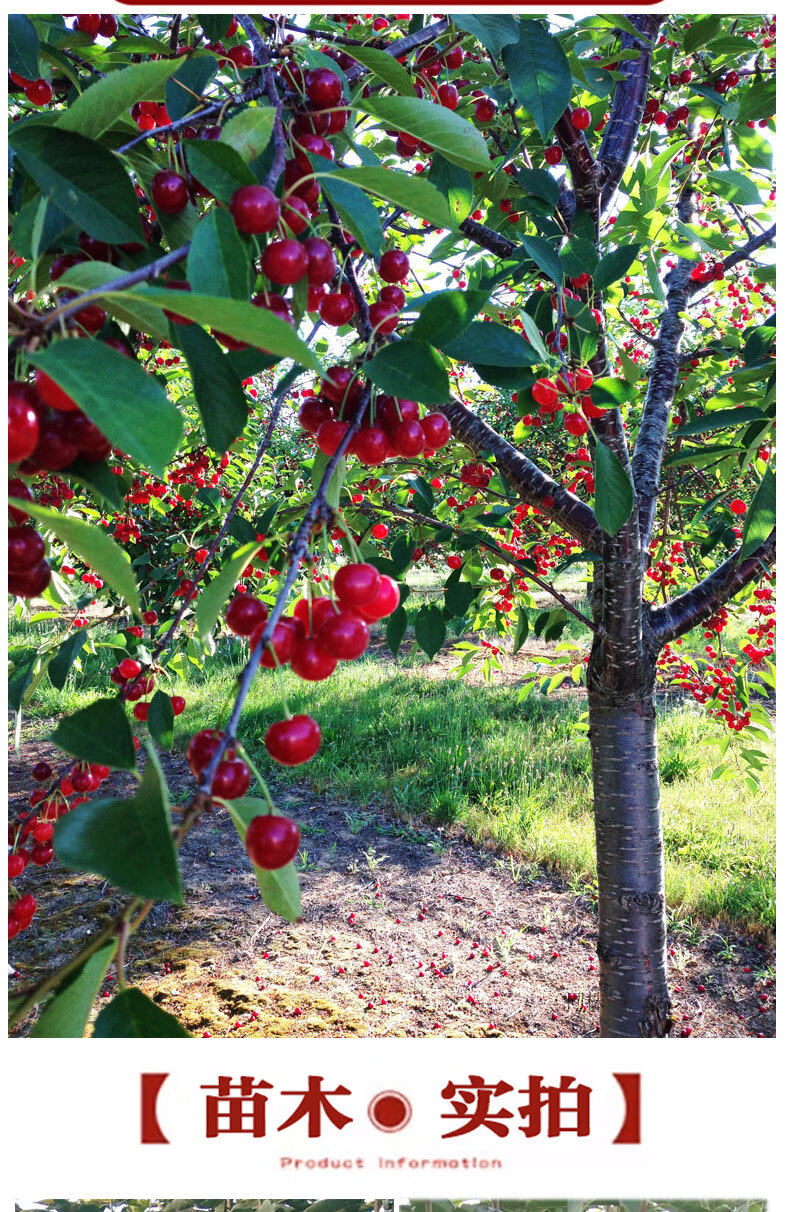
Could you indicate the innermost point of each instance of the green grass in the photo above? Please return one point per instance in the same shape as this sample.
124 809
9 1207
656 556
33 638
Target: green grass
511 774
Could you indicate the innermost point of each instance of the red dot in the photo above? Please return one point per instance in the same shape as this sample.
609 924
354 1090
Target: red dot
389 1111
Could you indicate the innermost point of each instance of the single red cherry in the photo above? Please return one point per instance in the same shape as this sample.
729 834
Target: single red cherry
324 89
436 430
329 436
371 445
448 96
272 841
254 209
408 439
150 617
339 386
178 703
41 771
41 856
140 712
321 265
485 110
313 412
312 612
169 191
383 317
336 310
245 614
25 908
241 56
553 154
386 601
282 641
344 636
296 213
544 392
202 748
31 583
16 865
356 584
22 422
129 668
51 394
108 25
284 262
231 779
292 742
310 662
39 92
581 118
393 294
394 265
25 548
88 23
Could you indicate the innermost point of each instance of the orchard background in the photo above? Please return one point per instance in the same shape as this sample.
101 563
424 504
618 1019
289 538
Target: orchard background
460 422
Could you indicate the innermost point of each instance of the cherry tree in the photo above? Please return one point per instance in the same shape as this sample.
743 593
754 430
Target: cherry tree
431 303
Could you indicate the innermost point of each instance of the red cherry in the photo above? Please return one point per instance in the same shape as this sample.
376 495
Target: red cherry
485 110
169 192
25 548
178 704
51 394
344 636
383 317
22 422
336 310
311 613
454 57
582 379
129 668
313 412
54 450
202 748
140 712
25 908
329 436
42 855
738 507
108 25
254 209
356 584
393 294
284 262
340 386
448 96
282 641
272 841
41 771
581 118
320 261
42 831
150 617
310 662
390 412
39 92
231 779
553 154
324 89
13 927
296 213
575 424
87 437
386 601
436 430
88 23
544 392
245 614
292 742
394 265
16 865
241 56
408 439
31 583
371 445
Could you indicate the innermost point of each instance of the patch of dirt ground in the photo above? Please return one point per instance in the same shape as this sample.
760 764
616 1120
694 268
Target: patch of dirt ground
406 931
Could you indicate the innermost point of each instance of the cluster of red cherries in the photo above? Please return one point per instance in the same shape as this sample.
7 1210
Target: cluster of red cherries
574 386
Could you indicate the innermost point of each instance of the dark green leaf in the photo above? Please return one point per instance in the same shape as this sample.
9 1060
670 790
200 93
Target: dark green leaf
446 131
98 733
98 478
183 92
128 842
615 265
454 184
540 183
23 46
545 257
218 167
430 629
130 408
132 1015
24 662
458 597
734 187
396 629
385 66
91 544
522 630
161 719
490 344
614 494
701 31
97 108
761 517
611 393
415 193
357 212
249 131
59 667
447 315
412 370
214 26
218 391
218 262
757 100
216 593
84 180
66 1014
493 32
724 418
540 76
280 888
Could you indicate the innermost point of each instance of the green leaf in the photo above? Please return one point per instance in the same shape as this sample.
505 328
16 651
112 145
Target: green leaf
761 517
280 888
614 493
734 187
454 184
396 629
539 183
97 109
98 479
357 212
255 325
447 315
24 662
218 392
615 265
490 344
430 629
413 192
59 667
218 167
94 546
183 92
724 418
493 32
123 307
412 370
458 597
23 46
611 393
522 630
545 257
533 335
83 179
385 66
98 733
249 131
218 263
701 31
66 1014
217 592
540 75
757 100
447 132
132 1015
161 719
337 479
128 842
130 408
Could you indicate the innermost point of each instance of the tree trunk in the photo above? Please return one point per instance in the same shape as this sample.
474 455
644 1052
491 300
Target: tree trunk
631 904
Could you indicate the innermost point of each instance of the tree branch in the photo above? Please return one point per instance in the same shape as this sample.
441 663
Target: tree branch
688 610
628 104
